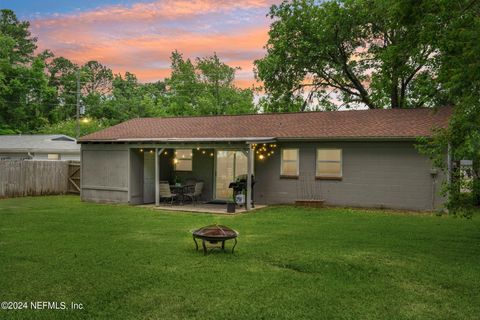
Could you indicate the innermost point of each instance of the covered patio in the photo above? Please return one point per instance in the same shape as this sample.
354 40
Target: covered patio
182 164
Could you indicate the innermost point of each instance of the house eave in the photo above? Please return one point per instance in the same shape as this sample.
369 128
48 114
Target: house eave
182 140
399 138
247 139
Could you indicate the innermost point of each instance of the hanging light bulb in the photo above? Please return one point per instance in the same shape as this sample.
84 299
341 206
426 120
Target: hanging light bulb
203 151
261 157
141 150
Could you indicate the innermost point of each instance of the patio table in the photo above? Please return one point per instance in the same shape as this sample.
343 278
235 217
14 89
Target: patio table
180 190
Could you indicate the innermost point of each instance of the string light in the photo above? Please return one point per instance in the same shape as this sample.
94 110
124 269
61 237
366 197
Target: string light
264 150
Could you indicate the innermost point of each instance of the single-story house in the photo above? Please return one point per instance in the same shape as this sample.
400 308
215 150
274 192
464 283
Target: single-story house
39 147
350 158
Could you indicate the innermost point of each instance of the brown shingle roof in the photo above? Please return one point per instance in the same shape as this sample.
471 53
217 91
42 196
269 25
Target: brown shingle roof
353 124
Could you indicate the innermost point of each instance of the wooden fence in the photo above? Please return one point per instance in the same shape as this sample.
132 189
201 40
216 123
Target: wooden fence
32 177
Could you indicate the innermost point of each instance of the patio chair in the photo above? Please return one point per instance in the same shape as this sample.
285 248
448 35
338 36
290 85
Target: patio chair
165 192
195 192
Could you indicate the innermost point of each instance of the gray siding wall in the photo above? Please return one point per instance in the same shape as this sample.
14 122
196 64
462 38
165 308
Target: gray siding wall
104 173
136 176
375 174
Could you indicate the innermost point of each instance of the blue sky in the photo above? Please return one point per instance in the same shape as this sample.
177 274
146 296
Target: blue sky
30 8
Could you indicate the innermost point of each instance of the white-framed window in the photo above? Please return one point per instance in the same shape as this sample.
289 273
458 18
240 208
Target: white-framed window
53 156
183 160
329 163
289 166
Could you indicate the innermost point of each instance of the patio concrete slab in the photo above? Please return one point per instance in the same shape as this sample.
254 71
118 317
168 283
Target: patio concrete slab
200 208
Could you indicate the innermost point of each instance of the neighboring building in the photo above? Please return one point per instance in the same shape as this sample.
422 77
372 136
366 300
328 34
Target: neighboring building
353 158
39 147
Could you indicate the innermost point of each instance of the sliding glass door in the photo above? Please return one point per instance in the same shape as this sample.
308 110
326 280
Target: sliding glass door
229 165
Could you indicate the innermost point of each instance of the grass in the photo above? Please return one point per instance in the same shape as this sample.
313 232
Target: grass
125 262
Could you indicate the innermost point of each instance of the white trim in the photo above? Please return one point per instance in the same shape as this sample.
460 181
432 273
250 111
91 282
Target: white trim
157 177
107 188
250 172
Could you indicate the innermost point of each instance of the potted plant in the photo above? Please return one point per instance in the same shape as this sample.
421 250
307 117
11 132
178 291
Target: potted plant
231 206
177 181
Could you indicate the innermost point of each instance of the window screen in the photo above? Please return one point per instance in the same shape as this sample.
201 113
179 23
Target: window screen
329 163
183 160
289 165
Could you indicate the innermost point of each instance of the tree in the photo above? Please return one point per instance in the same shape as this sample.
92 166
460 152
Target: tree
96 78
24 44
62 74
459 74
205 87
349 53
24 86
131 99
96 84
183 87
69 127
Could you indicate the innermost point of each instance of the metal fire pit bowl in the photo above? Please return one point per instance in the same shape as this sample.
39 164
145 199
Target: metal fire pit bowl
214 234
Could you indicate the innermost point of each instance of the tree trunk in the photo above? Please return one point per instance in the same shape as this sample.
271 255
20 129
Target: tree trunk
394 103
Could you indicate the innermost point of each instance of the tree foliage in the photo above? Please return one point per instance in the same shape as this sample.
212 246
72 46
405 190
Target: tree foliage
38 92
23 83
459 74
69 127
350 53
205 87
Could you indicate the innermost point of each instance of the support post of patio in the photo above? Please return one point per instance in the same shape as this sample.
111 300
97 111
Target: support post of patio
157 179
250 155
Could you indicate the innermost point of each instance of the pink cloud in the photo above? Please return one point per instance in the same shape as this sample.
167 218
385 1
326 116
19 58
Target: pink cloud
141 38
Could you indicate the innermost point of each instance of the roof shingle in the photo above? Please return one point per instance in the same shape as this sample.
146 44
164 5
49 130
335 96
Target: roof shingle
352 124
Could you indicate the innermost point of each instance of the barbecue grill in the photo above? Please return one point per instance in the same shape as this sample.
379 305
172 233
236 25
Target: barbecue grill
239 186
214 234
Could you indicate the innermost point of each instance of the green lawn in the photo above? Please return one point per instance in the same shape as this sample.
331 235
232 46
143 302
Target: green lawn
125 262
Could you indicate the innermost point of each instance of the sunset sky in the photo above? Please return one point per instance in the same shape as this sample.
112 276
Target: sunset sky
139 36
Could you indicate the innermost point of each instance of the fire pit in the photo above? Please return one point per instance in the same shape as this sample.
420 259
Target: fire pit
214 234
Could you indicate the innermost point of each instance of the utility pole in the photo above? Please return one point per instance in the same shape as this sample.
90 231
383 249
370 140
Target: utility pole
78 105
